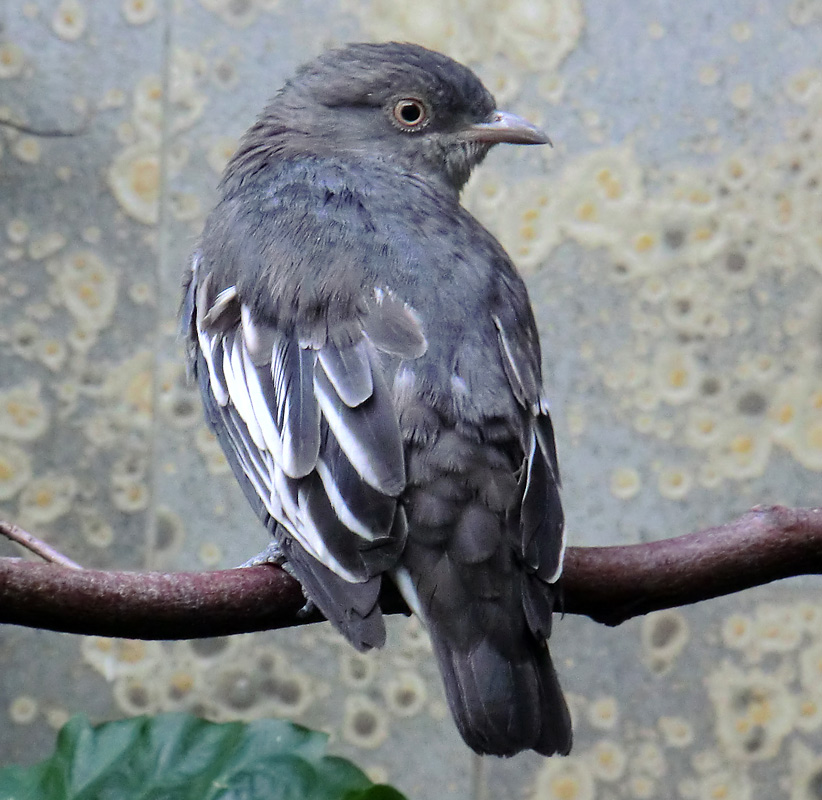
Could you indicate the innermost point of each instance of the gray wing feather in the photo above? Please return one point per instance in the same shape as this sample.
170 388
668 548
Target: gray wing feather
542 523
297 407
394 327
313 438
369 435
519 367
349 370
363 509
353 608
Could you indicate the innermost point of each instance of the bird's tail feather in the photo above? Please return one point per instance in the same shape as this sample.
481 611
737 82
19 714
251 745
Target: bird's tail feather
502 706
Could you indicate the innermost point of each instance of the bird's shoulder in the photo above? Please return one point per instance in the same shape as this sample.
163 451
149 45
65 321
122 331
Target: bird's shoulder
324 233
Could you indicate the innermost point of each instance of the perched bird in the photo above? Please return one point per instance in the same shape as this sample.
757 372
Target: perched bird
369 362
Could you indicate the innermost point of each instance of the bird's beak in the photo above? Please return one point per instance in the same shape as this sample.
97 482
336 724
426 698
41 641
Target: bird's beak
505 127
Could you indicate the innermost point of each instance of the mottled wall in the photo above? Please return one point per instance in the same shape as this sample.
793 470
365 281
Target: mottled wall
672 241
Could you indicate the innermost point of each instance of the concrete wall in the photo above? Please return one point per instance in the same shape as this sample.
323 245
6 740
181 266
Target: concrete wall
672 242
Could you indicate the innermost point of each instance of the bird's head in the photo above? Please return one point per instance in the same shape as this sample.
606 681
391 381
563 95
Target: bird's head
399 103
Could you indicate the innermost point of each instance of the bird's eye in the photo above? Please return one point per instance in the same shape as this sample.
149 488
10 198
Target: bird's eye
410 112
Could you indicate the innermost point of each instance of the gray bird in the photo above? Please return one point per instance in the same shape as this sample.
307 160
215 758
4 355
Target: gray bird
369 361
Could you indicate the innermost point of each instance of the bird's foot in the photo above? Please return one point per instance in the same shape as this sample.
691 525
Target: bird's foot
308 609
273 554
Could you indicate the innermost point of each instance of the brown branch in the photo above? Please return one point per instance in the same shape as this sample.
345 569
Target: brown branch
768 543
46 133
608 584
36 546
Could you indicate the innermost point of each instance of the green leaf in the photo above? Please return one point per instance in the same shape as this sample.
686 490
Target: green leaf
180 757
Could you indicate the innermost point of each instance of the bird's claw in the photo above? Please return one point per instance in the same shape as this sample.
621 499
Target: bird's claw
308 609
273 554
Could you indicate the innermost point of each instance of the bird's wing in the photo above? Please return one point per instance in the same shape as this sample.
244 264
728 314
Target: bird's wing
541 531
311 433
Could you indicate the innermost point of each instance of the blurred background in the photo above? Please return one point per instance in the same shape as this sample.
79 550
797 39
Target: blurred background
672 244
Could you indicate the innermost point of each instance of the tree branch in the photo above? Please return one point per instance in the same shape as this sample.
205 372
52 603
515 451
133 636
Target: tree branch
608 584
36 546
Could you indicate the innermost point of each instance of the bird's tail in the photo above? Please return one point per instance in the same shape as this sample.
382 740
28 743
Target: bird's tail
503 705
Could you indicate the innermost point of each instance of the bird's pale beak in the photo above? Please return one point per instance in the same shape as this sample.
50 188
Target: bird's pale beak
505 127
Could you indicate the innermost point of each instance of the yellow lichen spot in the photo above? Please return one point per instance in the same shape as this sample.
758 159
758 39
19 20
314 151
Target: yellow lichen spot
737 171
181 683
587 211
804 86
754 712
625 483
810 666
708 75
642 787
737 631
709 476
15 470
96 530
89 289
209 448
139 12
609 184
699 197
676 374
365 724
603 713
23 710
703 428
656 30
741 31
27 149
17 230
357 670
650 760
52 353
237 13
745 451
134 179
674 482
101 644
564 779
644 423
56 718
210 554
69 20
184 206
131 651
809 711
608 760
742 96
23 415
777 628
220 152
12 60
644 242
677 732
137 694
46 245
664 636
130 496
808 446
48 498
405 694
784 414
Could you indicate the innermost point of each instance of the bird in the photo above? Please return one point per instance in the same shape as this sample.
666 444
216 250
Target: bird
369 361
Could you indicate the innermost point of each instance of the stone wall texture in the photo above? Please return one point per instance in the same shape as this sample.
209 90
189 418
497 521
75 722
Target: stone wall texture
672 244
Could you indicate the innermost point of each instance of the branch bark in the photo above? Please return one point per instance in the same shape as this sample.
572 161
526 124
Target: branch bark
607 584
